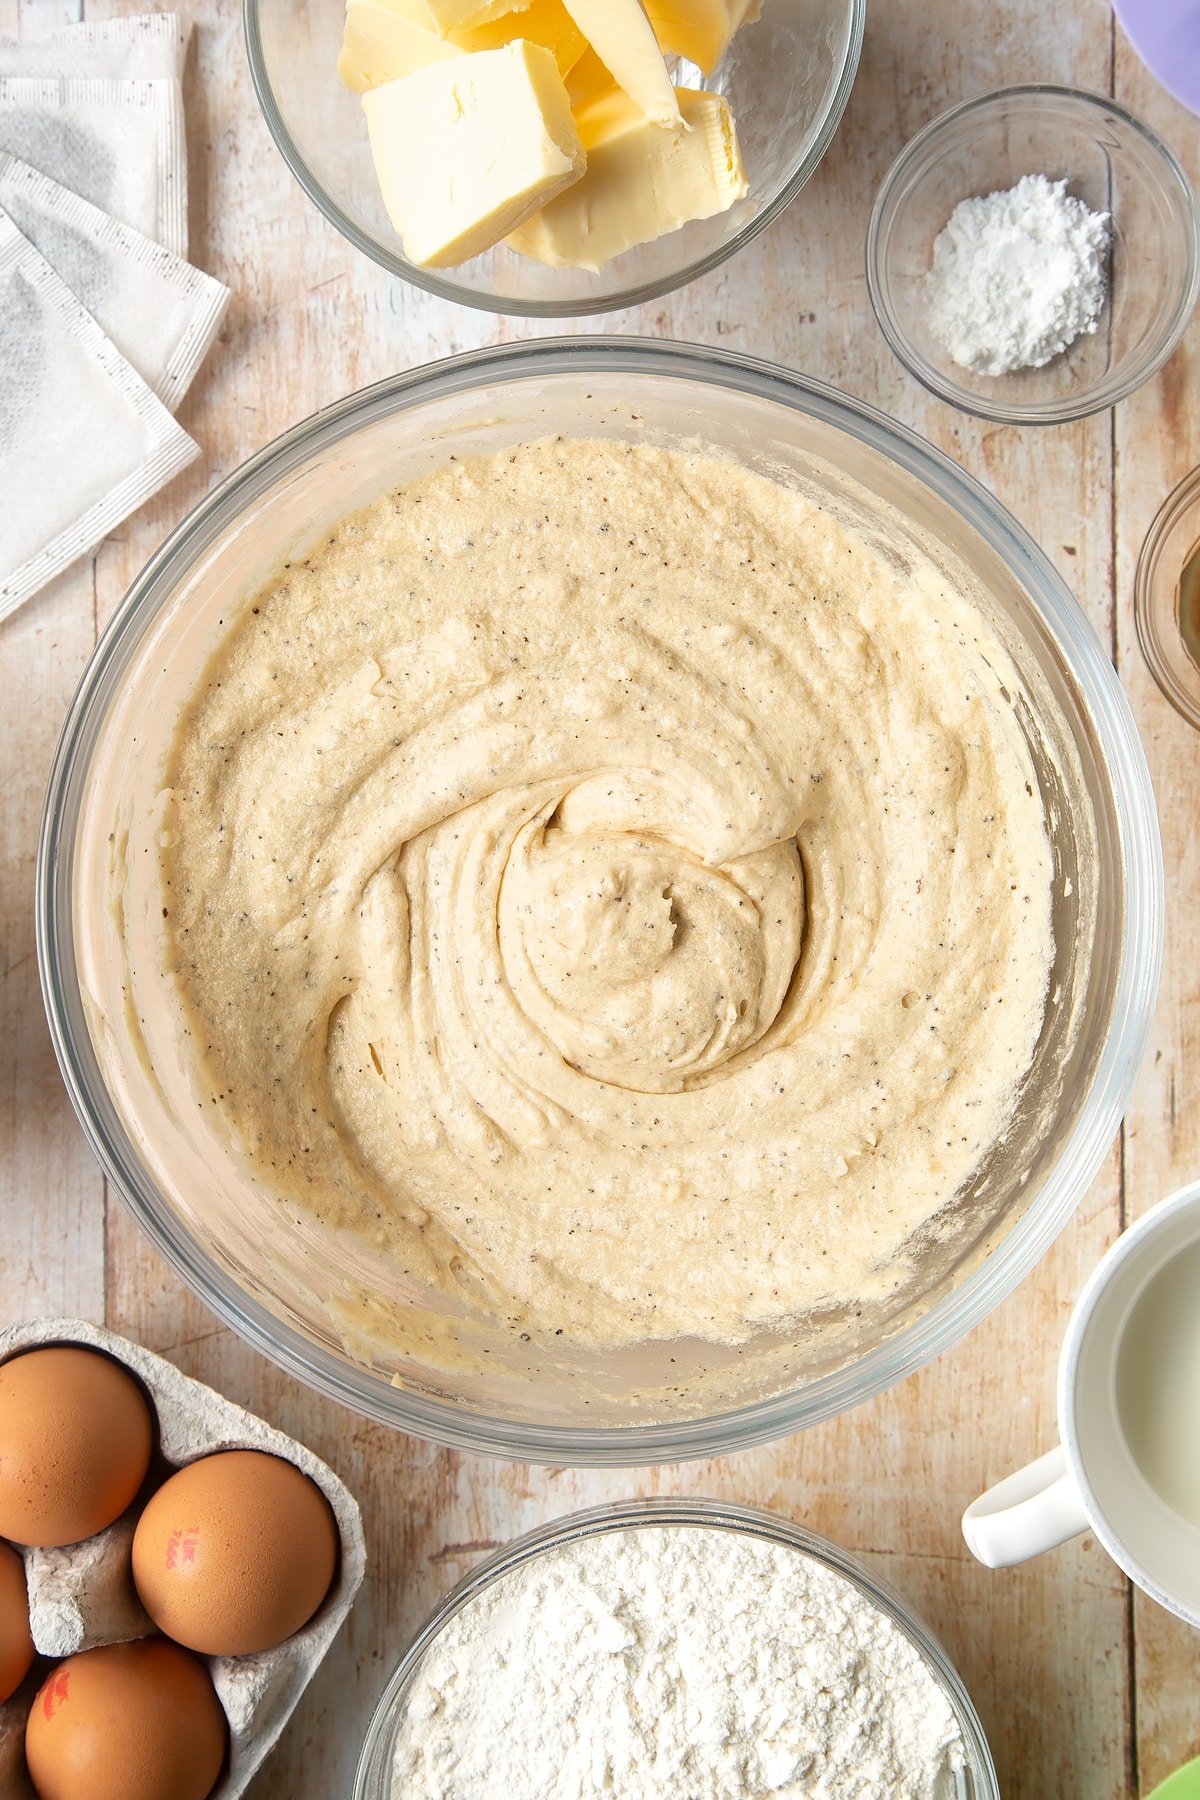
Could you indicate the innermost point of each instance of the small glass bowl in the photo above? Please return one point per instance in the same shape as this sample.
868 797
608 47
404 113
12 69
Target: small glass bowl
1167 616
1112 162
787 78
373 1779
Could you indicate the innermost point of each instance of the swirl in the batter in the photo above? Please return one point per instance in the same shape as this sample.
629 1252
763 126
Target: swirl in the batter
605 879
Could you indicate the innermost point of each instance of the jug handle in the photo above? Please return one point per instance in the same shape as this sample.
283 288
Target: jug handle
1028 1512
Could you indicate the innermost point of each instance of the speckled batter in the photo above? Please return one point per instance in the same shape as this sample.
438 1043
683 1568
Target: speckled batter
606 880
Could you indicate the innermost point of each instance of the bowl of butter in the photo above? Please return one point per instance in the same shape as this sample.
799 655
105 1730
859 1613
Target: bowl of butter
557 157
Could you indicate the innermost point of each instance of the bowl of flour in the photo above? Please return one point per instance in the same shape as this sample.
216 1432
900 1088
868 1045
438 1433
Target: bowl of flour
1033 255
668 1650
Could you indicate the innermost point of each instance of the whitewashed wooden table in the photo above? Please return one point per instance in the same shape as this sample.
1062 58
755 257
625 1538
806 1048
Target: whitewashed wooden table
1086 1689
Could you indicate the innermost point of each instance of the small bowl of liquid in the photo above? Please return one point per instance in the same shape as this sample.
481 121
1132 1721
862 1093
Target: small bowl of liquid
1167 598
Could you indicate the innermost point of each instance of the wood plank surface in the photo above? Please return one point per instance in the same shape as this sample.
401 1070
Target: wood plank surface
1156 442
1085 1694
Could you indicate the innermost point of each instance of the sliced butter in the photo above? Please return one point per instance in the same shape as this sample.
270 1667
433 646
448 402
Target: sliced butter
619 32
382 43
385 40
463 15
641 181
545 22
466 150
587 80
700 30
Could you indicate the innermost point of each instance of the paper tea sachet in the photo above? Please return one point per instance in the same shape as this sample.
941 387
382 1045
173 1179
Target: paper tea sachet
83 441
147 47
161 314
120 144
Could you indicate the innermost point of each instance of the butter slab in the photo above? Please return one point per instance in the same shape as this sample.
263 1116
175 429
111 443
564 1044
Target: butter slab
467 150
381 43
620 34
461 15
587 80
641 181
545 22
385 40
700 30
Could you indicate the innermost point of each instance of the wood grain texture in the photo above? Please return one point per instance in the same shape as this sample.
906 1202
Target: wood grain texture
1156 442
1085 1695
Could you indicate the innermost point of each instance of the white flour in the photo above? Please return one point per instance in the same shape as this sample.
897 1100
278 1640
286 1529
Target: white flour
675 1663
1017 277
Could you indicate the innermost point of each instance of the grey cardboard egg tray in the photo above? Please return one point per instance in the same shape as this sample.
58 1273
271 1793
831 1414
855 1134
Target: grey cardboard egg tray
83 1595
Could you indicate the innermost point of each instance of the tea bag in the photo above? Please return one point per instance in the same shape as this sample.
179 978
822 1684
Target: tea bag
147 47
119 144
160 314
83 441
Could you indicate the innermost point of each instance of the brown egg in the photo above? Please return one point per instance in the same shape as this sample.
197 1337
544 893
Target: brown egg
235 1553
126 1722
75 1437
16 1645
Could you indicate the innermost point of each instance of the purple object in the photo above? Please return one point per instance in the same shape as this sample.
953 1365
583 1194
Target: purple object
1166 35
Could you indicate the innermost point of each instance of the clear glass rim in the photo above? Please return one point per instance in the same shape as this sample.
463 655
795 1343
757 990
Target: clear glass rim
639 293
1051 412
829 1394
712 1515
1146 606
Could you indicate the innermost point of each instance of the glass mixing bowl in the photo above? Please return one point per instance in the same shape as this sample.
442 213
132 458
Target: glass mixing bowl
977 1779
787 77
330 1310
373 1780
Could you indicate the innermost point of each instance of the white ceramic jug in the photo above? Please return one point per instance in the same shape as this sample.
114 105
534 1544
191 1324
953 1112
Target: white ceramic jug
1128 1465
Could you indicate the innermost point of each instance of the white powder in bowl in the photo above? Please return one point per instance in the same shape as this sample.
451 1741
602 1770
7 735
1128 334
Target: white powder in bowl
675 1663
1017 277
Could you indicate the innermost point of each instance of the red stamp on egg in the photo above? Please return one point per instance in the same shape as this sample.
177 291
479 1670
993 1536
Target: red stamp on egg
182 1546
55 1692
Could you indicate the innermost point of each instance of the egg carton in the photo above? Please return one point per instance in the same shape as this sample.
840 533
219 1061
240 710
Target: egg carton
83 1595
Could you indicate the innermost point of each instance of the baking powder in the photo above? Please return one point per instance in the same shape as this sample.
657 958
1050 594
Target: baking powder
674 1663
1017 277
